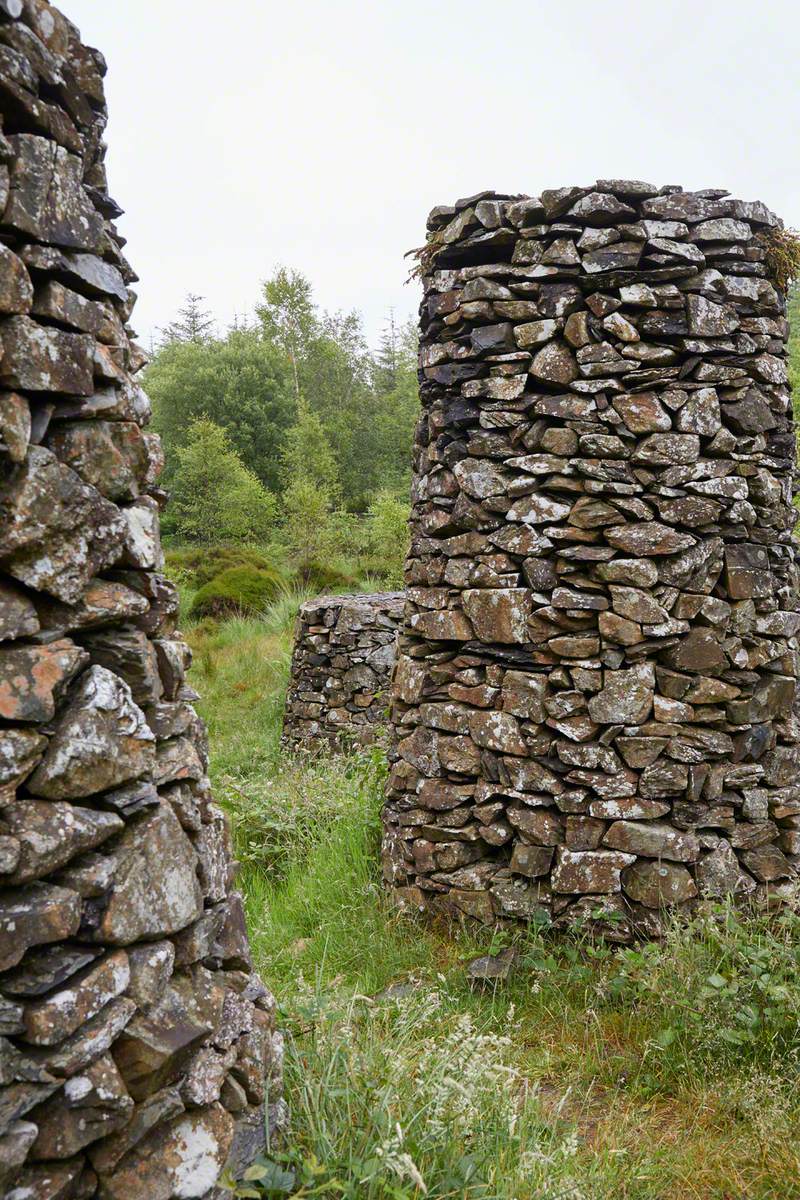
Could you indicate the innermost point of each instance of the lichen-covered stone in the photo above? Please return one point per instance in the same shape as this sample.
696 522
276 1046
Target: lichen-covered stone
101 740
33 677
153 885
33 916
184 1158
50 833
40 358
56 532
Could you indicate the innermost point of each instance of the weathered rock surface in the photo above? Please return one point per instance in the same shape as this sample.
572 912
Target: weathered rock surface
135 1042
599 654
344 652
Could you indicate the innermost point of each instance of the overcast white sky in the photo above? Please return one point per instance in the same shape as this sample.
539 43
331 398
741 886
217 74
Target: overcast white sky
318 133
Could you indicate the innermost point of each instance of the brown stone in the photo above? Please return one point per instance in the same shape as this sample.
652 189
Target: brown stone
50 834
747 572
649 538
444 625
626 696
655 884
40 358
531 861
499 614
15 426
153 881
16 290
555 364
47 199
698 651
157 1043
94 1104
183 1158
523 695
653 839
55 1018
58 303
34 916
768 863
541 827
55 531
109 455
497 731
103 602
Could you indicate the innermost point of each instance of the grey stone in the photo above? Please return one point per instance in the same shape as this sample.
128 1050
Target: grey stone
101 741
595 872
40 358
626 696
50 834
655 884
154 889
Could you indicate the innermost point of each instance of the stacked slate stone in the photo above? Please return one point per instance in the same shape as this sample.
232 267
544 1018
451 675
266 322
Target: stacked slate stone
594 693
344 652
137 1047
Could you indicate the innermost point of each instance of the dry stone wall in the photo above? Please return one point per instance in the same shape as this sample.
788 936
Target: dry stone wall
137 1047
594 693
342 663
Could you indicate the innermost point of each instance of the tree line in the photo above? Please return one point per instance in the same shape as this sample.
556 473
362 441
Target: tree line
286 427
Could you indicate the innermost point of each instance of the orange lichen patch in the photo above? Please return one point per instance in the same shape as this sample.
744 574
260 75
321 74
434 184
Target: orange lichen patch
31 678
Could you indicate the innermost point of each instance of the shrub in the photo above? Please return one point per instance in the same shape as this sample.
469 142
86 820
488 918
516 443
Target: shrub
200 564
243 589
321 577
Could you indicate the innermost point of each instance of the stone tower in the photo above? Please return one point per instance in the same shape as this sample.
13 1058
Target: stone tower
593 702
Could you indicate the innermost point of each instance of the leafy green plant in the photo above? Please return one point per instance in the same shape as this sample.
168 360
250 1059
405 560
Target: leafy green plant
736 993
388 537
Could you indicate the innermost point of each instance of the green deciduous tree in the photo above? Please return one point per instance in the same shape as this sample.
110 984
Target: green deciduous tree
240 382
215 498
289 319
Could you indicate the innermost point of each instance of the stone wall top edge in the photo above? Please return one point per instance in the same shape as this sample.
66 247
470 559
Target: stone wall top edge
553 204
374 599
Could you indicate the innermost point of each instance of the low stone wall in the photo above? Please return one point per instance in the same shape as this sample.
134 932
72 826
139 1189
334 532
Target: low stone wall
137 1047
597 671
344 652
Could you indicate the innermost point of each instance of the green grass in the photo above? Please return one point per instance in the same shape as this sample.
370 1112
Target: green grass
667 1072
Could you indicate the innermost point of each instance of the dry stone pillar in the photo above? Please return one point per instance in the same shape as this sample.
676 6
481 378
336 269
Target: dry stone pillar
344 651
137 1048
594 695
